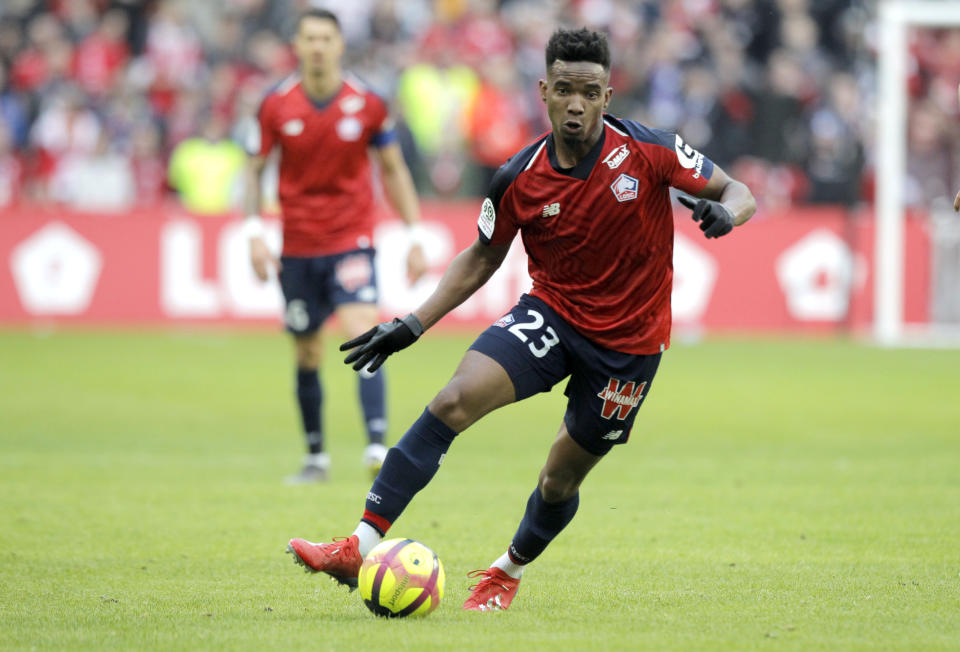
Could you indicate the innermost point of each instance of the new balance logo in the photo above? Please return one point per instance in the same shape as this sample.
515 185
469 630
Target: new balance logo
550 210
620 400
613 435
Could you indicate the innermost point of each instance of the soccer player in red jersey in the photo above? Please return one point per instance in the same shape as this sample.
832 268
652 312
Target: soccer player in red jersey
591 203
326 126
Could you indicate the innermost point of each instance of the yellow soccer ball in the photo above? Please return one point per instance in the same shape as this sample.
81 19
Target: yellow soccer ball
401 577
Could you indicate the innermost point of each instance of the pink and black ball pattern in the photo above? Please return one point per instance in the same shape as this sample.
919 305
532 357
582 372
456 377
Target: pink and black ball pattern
401 577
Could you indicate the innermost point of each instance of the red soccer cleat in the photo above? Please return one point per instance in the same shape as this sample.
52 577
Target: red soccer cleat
494 592
340 560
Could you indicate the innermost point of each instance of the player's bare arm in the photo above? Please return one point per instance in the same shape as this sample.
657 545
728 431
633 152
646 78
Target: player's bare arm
261 258
723 204
466 274
400 191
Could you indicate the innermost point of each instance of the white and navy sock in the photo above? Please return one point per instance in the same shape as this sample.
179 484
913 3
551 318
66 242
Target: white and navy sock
507 565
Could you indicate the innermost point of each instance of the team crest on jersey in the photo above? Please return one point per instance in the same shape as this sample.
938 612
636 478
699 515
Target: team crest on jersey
293 127
620 398
349 129
352 104
617 156
625 188
488 218
688 157
354 272
504 321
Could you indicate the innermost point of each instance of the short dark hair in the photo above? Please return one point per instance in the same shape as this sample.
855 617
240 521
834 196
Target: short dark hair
578 45
322 14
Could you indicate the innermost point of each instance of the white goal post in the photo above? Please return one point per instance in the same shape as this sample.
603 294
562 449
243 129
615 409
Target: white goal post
895 18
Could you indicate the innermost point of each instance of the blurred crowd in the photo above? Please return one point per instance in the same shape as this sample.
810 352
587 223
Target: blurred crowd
107 104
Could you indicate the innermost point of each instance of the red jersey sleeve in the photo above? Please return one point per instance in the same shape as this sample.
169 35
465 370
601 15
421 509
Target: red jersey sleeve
678 164
497 223
380 124
681 165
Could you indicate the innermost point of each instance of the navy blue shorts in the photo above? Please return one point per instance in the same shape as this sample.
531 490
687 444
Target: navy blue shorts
313 287
538 348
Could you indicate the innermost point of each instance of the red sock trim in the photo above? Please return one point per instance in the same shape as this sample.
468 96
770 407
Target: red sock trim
377 521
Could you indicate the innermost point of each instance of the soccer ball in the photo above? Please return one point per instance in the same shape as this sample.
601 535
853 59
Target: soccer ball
401 577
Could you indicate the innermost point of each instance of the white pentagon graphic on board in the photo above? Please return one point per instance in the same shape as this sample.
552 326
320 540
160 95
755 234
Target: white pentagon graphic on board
55 271
694 275
816 275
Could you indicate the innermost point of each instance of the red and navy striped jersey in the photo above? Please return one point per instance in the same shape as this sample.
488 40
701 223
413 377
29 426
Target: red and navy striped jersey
326 194
599 236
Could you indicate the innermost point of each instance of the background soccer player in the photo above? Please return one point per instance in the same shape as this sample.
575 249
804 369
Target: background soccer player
325 125
591 202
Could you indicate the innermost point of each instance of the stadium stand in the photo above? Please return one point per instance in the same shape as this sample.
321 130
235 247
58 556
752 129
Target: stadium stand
792 82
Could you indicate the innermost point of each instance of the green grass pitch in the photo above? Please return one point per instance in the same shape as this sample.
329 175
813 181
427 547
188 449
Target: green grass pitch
775 495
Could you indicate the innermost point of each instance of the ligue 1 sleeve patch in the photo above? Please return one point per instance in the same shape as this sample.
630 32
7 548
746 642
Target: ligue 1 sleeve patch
688 157
488 219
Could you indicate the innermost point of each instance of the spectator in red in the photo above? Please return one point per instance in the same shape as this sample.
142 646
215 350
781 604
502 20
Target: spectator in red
174 54
103 55
481 35
174 48
148 165
11 170
496 127
31 69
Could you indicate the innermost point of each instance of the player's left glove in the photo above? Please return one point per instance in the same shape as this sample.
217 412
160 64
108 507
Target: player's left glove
715 218
373 347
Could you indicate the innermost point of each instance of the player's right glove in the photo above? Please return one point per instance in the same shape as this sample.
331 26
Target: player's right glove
371 349
715 218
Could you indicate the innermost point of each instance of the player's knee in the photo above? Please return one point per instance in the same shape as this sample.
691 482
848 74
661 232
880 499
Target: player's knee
307 352
308 360
450 407
558 486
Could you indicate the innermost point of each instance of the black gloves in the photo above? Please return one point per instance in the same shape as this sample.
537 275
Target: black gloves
379 342
715 218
